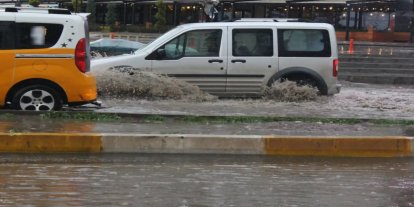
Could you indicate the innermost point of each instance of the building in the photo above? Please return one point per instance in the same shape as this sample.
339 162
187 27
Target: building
363 20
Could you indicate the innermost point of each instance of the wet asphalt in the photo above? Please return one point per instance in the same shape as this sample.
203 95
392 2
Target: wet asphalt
200 181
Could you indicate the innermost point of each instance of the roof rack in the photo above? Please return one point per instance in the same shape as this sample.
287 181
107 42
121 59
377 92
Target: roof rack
272 20
37 10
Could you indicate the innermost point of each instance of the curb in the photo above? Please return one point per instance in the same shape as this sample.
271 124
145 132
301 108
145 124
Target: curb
393 146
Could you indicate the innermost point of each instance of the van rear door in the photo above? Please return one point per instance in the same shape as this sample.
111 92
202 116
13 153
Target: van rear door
7 54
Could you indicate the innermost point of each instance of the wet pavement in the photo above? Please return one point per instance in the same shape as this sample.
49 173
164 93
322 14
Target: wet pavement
355 101
35 123
199 180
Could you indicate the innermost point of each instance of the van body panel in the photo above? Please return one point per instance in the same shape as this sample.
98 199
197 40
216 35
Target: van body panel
195 70
248 71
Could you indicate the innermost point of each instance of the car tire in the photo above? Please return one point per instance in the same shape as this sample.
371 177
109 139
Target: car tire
37 98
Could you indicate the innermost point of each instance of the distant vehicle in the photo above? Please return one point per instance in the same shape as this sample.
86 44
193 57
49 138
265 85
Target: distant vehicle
111 47
44 59
241 57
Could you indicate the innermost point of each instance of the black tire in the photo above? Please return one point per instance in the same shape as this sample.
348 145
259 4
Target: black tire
37 98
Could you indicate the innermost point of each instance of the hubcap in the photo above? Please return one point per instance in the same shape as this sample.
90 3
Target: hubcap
37 100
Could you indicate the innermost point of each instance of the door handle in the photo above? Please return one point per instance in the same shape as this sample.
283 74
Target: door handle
238 61
215 61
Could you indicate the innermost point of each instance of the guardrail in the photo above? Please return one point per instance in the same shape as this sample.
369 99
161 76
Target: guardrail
138 37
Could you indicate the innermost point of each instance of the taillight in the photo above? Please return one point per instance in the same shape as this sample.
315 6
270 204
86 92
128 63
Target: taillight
335 67
80 55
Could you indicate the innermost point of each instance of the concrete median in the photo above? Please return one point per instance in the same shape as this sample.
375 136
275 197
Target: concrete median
375 146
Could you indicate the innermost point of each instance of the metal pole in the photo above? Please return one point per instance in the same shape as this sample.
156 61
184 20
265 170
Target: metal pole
76 6
288 9
232 11
133 14
348 18
411 29
175 13
125 8
356 19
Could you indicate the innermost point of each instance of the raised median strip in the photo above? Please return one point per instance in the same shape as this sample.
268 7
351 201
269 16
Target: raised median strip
394 146
50 142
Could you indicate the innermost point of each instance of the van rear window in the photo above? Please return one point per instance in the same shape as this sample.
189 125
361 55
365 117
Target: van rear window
37 35
304 43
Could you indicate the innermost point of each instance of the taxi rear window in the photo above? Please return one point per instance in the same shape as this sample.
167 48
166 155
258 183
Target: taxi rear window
37 35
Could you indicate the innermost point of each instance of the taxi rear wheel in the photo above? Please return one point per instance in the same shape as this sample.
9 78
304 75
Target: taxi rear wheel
37 98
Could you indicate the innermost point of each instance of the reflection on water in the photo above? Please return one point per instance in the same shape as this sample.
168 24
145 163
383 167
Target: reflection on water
197 180
37 124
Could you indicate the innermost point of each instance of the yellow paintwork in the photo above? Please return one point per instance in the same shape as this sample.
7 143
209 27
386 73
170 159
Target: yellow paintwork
338 146
79 87
50 142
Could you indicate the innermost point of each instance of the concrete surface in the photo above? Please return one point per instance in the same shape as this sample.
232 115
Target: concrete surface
374 146
25 132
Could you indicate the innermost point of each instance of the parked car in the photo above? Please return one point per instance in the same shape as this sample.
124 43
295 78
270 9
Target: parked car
111 47
242 57
44 59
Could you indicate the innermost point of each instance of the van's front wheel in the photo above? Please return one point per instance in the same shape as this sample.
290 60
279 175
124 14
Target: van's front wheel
37 98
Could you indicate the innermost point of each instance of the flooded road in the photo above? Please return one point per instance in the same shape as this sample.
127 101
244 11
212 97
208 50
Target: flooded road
356 100
197 180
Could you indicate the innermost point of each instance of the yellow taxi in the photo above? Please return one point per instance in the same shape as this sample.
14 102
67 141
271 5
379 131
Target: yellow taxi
45 59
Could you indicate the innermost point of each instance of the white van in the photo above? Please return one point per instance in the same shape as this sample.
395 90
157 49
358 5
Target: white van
240 58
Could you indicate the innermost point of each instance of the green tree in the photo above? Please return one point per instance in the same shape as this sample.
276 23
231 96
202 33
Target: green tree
34 3
77 5
160 20
91 8
111 16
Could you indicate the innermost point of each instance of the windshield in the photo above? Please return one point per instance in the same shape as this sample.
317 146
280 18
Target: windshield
158 38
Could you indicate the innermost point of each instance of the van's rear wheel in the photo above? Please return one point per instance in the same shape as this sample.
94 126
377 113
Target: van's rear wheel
37 98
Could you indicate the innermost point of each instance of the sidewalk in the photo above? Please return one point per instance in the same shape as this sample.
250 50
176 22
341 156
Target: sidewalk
153 134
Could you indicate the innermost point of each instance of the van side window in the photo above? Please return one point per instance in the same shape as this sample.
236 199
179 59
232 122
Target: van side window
197 43
252 42
6 35
37 35
304 43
